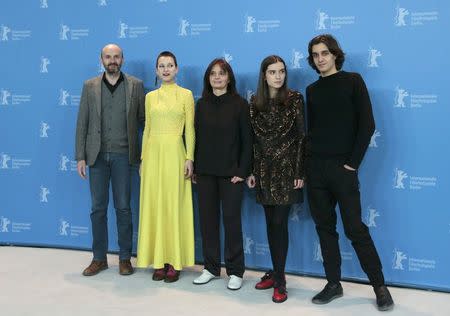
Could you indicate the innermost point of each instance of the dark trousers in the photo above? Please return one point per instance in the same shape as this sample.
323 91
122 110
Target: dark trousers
328 184
277 217
212 191
114 168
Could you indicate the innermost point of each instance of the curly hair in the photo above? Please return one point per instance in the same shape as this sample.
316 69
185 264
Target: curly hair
333 46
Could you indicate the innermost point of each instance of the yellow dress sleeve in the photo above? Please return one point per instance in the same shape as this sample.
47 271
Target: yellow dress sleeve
189 126
146 127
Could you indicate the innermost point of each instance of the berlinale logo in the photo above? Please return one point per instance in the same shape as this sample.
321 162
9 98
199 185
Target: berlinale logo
63 162
4 95
399 177
248 242
43 195
249 95
371 215
4 159
44 64
182 31
248 25
400 95
228 57
296 57
43 130
100 67
123 28
317 252
397 260
63 226
296 210
400 16
373 55
321 18
373 139
63 96
63 33
4 222
4 32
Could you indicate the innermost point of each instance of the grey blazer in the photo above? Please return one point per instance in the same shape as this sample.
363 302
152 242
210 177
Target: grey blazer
88 135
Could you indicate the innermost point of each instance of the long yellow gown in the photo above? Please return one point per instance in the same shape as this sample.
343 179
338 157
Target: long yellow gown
166 228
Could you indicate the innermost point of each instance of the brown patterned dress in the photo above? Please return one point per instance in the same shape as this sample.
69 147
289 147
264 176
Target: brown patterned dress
277 149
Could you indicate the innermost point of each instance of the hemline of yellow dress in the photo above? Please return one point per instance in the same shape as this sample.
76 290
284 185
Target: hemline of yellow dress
166 225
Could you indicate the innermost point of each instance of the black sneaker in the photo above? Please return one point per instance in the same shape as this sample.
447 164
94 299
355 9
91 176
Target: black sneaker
329 293
384 298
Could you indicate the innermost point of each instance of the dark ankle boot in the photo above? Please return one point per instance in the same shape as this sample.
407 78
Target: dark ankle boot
384 298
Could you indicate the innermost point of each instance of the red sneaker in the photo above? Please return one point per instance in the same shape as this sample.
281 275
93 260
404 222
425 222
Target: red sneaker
279 294
172 275
266 282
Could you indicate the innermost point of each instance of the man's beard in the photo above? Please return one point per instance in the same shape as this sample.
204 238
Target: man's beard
112 70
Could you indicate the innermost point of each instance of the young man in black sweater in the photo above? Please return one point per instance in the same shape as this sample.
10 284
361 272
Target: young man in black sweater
340 125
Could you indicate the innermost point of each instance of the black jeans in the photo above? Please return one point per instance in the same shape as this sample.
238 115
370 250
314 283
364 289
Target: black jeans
328 184
278 236
213 190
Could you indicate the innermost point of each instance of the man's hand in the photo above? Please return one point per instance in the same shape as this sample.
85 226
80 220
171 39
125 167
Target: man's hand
349 168
81 168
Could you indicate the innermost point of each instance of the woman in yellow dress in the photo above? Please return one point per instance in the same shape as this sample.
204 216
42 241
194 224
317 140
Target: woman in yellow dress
166 229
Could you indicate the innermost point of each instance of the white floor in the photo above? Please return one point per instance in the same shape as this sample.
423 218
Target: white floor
39 281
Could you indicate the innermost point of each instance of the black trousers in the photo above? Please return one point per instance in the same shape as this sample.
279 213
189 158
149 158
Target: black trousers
212 192
328 184
277 217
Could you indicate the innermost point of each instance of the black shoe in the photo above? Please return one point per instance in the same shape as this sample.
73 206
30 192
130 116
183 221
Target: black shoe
329 293
384 298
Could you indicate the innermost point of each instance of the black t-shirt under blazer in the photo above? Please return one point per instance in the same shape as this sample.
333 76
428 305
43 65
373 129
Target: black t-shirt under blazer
223 138
340 119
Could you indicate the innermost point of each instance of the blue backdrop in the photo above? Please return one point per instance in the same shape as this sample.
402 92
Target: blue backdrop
48 48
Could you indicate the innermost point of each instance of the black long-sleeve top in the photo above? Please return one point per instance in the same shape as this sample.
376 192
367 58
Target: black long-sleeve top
340 119
223 136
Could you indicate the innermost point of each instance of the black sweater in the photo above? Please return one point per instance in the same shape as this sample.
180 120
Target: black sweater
340 119
223 144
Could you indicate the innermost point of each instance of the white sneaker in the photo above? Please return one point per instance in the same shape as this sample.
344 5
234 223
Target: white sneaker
204 278
234 283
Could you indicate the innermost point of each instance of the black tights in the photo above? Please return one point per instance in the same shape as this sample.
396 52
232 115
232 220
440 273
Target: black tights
278 236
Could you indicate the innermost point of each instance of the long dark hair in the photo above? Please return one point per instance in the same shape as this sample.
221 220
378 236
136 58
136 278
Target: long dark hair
333 46
225 66
262 92
165 53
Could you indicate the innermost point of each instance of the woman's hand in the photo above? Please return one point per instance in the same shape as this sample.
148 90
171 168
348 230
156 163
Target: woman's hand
251 181
298 184
188 169
236 179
